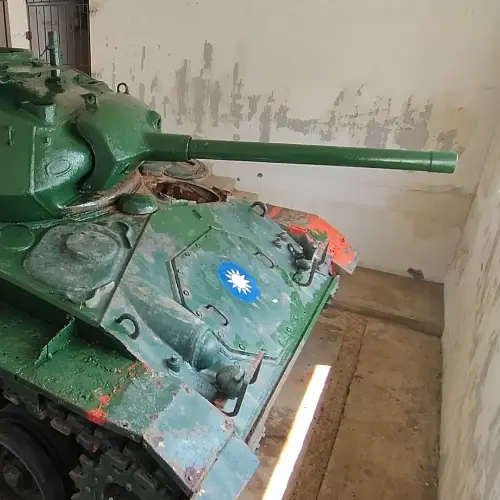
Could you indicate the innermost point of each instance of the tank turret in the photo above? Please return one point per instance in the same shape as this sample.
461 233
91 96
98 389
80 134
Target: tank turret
145 327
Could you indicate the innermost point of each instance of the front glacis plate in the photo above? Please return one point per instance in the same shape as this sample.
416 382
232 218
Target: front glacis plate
239 291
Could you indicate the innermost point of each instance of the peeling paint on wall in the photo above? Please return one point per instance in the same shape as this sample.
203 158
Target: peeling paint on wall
215 97
207 55
265 121
236 97
205 100
165 103
281 119
155 84
377 133
253 102
413 133
199 93
143 58
182 90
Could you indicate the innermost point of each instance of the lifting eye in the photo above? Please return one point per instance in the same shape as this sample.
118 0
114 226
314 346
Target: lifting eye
156 122
122 88
91 102
154 119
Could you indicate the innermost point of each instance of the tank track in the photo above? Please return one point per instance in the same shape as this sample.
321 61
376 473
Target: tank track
110 465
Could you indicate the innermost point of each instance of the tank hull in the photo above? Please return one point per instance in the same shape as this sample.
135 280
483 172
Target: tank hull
69 344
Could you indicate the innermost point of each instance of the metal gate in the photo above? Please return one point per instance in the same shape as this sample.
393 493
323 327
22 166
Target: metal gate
4 24
71 19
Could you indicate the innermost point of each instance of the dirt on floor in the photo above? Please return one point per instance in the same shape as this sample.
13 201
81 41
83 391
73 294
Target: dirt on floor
375 434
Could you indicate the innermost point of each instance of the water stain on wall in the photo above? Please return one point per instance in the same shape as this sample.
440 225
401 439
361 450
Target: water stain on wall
447 141
113 74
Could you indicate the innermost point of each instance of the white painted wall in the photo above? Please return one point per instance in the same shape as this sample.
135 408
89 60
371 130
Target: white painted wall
391 73
470 428
18 23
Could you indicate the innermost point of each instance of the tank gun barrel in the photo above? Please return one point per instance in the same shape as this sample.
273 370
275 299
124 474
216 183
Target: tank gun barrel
173 147
395 159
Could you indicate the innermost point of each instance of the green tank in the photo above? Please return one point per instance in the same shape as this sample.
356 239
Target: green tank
146 322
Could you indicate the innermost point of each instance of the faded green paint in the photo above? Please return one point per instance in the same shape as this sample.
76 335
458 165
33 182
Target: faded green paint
78 374
110 387
61 340
160 272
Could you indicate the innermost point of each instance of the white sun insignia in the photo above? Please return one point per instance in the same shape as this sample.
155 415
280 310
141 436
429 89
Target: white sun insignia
238 281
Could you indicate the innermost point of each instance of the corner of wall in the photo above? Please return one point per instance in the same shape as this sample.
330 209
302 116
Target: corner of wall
470 416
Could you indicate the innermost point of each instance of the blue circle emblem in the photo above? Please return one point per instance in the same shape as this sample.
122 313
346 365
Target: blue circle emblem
238 281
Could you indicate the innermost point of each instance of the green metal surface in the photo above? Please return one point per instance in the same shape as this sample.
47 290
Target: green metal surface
162 317
395 159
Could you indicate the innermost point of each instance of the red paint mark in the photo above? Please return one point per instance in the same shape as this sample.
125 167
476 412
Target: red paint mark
97 416
147 368
220 402
104 400
274 212
343 255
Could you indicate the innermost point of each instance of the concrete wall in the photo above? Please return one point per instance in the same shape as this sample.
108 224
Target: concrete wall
390 73
18 23
470 433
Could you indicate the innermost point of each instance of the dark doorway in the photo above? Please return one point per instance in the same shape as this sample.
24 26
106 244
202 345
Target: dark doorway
71 19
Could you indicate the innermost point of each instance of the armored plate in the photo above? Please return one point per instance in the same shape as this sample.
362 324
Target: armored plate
207 283
239 291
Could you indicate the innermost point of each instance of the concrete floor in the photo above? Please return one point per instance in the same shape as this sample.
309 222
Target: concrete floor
375 432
